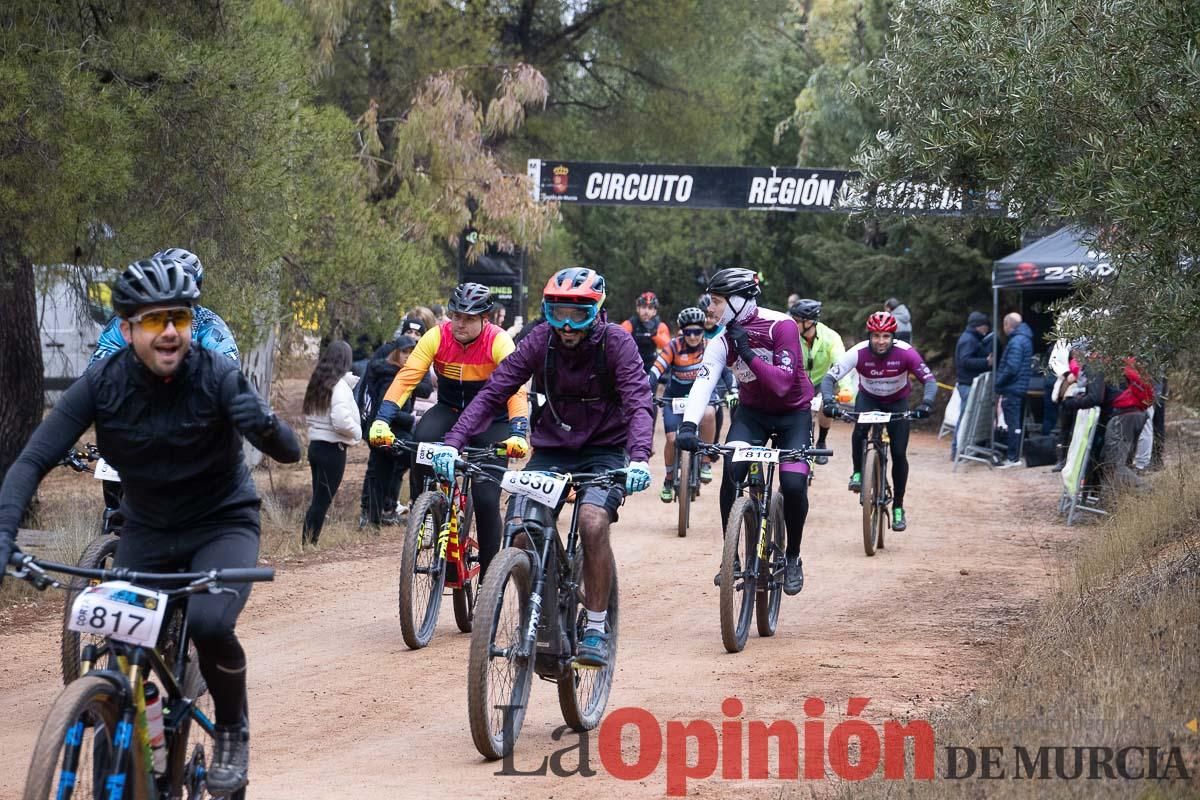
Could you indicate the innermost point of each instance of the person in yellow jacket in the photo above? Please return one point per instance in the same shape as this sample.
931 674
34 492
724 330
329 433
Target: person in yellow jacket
463 351
820 347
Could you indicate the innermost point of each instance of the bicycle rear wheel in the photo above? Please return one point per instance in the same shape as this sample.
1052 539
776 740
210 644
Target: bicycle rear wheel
75 748
872 508
683 497
768 600
583 693
99 554
190 748
739 563
422 570
498 673
465 598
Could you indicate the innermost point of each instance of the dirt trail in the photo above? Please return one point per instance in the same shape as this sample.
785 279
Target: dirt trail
342 709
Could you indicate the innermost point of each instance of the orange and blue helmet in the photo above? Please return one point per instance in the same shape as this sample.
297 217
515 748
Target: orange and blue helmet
572 298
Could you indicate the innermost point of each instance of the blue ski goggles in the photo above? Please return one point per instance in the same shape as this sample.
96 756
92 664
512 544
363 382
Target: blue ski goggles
572 316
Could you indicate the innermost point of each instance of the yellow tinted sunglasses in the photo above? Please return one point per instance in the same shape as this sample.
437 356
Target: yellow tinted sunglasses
155 321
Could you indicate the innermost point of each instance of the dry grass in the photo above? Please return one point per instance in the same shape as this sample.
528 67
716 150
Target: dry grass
70 505
1111 660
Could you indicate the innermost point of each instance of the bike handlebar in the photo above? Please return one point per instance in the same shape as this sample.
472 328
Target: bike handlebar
578 480
785 455
852 416
36 571
496 450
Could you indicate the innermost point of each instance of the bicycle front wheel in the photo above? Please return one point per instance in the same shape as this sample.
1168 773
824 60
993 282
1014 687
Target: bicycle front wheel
422 570
499 672
99 554
769 597
739 564
583 693
683 497
75 752
872 507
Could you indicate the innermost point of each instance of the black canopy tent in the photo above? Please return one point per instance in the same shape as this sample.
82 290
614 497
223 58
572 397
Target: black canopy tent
1042 272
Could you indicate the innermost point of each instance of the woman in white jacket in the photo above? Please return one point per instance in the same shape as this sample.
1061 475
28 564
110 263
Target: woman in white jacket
333 425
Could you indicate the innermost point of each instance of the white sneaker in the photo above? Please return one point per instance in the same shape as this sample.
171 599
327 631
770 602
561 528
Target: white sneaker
1008 464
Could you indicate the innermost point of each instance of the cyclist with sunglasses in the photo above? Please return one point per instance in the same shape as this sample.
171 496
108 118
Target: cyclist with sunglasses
883 364
596 418
464 352
820 347
680 362
171 418
762 347
208 329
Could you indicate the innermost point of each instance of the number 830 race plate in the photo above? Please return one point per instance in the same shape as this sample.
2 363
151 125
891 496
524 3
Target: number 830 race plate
120 610
545 488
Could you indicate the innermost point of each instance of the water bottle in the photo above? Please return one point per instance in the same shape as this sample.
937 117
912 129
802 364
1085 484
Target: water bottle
154 727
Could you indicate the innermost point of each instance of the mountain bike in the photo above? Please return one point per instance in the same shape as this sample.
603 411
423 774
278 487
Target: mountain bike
754 555
439 550
686 483
875 496
98 554
98 739
531 614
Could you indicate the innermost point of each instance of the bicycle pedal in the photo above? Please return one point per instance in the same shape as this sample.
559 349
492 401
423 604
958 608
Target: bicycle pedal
717 580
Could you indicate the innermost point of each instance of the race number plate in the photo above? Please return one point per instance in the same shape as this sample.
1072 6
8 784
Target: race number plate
545 488
121 610
868 417
104 472
425 453
767 455
678 404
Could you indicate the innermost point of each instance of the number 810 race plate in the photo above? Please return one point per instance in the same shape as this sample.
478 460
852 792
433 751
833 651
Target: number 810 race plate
120 610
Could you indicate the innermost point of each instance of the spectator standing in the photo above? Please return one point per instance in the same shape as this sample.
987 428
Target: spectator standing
972 358
1012 381
903 319
333 425
385 470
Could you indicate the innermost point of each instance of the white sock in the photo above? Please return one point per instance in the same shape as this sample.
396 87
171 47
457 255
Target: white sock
596 620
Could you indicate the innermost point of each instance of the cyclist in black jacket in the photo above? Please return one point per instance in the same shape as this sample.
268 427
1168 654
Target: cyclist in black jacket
170 418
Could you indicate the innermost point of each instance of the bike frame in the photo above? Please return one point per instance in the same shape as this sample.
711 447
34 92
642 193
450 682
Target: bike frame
450 546
555 578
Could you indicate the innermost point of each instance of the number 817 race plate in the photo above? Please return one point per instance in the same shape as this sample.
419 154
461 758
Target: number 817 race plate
121 610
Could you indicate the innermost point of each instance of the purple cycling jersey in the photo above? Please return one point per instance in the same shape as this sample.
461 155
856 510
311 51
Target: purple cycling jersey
885 377
774 382
590 415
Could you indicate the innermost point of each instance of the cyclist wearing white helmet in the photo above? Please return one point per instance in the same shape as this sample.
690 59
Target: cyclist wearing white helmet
208 329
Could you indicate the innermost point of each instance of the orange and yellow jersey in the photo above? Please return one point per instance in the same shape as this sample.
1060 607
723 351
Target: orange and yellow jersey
462 369
680 363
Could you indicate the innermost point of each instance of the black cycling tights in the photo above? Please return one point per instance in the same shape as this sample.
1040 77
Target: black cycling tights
791 431
211 617
434 425
897 432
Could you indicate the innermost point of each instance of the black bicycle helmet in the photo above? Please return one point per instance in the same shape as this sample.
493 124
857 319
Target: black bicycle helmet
153 281
806 309
734 282
190 261
690 316
470 298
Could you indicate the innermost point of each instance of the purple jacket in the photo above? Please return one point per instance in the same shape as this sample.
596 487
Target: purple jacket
581 402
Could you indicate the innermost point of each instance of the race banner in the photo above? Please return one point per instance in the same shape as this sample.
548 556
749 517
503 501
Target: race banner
793 189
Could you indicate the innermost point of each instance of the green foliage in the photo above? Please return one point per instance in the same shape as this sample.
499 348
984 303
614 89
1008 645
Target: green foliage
1073 110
